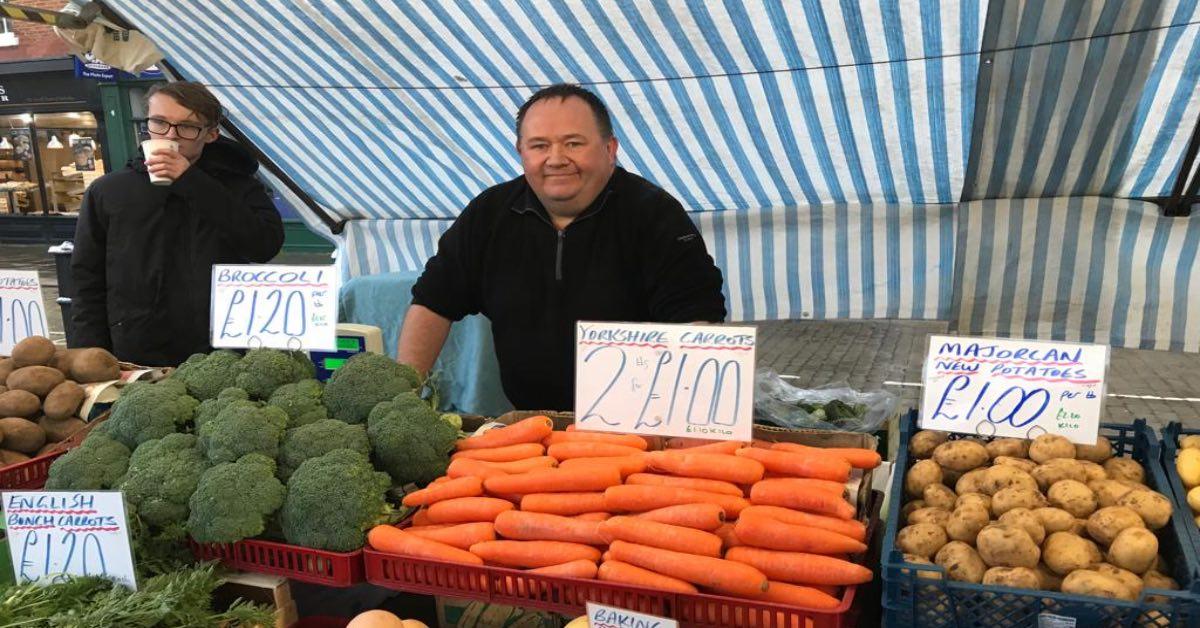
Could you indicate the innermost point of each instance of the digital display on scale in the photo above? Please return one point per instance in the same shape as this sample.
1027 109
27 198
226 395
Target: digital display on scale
329 361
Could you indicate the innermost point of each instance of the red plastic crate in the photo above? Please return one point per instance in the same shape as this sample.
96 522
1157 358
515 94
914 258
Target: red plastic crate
28 475
332 569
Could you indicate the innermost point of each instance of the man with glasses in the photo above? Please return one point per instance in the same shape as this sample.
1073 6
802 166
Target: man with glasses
144 252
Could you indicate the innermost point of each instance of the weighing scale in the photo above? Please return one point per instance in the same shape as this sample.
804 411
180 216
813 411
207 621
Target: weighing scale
352 339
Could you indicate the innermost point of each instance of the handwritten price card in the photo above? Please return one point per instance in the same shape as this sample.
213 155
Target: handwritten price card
600 616
54 534
1014 388
21 313
665 380
282 307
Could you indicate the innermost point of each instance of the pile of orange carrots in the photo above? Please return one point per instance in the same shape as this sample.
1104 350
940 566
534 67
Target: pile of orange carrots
764 521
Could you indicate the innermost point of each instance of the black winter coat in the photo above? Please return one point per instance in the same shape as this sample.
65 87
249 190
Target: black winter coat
143 253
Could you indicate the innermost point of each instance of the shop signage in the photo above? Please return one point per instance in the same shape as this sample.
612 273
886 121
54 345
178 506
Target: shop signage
54 534
1014 388
283 307
21 311
600 616
666 380
90 68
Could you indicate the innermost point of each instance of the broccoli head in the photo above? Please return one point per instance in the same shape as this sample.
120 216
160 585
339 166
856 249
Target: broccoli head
206 375
233 500
410 440
97 464
210 408
301 401
147 411
264 370
161 478
333 500
243 427
318 439
364 380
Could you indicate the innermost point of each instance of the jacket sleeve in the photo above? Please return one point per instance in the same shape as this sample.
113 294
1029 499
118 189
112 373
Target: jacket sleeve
249 221
683 284
89 305
450 283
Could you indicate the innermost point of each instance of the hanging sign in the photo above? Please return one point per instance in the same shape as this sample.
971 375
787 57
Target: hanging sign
54 534
601 616
281 307
21 311
1014 388
665 380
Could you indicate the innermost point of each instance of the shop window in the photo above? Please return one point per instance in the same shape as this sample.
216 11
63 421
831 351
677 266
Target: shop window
20 180
70 157
8 38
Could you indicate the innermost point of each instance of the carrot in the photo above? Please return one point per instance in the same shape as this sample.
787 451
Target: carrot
536 526
805 465
711 466
467 467
468 509
460 487
857 457
524 465
421 517
589 449
628 440
728 536
391 540
663 535
767 533
581 568
530 430
617 571
810 484
846 527
712 486
462 535
801 568
718 574
797 595
507 453
533 553
783 493
584 478
593 516
563 503
627 465
440 480
635 498
726 447
706 517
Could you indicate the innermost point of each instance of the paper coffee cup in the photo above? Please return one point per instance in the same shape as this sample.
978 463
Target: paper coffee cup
148 148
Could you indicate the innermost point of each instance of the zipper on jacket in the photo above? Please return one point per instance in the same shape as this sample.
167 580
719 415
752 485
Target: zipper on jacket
558 256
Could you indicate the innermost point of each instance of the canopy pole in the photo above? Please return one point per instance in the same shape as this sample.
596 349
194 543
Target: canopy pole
1184 192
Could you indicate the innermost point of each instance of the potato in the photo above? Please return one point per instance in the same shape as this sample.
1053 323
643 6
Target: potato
1003 545
939 496
920 475
39 380
94 365
8 457
1191 441
1187 464
1024 519
1154 508
1050 581
1108 492
1064 552
929 514
911 507
1078 527
59 430
922 444
1127 578
1134 549
47 448
3 388
961 455
976 499
1010 447
922 539
1052 471
950 477
1050 446
1010 498
1073 497
1016 577
1023 464
1092 470
1156 580
970 482
6 368
917 560
63 402
1105 524
1125 469
62 361
965 523
1003 476
961 562
22 435
1193 499
1089 582
1097 453
1054 519
20 403
33 351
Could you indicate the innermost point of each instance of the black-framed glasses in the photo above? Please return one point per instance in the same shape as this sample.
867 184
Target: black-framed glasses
184 130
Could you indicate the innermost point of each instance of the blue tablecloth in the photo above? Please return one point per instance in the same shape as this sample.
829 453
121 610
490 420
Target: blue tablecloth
467 373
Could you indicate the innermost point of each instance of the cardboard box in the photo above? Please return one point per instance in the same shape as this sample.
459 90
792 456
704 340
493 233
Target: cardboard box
461 613
259 588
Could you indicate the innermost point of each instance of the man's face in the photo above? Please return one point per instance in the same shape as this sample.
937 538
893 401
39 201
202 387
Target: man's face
566 159
163 107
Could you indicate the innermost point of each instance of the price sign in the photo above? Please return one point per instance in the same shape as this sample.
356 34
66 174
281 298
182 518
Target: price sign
1014 388
21 313
601 616
55 534
282 307
665 380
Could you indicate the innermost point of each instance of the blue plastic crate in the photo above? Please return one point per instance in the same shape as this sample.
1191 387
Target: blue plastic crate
1170 449
910 600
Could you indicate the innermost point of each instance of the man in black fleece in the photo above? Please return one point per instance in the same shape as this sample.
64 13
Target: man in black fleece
144 253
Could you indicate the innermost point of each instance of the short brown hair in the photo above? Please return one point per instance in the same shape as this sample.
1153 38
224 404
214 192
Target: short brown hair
194 96
565 91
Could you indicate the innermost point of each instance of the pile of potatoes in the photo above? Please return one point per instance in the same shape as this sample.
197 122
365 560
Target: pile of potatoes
1042 514
1187 463
41 392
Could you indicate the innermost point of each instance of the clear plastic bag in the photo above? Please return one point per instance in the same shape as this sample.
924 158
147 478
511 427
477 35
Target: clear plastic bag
831 407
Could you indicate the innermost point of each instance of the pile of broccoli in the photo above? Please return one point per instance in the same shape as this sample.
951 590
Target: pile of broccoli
147 411
233 500
301 401
97 464
333 500
317 439
241 428
264 370
367 379
411 440
162 476
206 375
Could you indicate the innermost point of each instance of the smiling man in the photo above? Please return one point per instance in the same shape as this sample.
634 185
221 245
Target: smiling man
574 238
